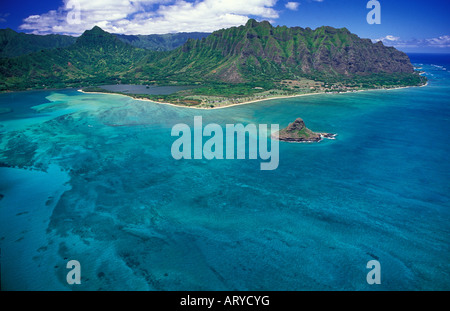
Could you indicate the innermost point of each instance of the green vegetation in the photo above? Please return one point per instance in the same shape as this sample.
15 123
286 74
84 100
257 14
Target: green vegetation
13 44
165 42
234 65
304 132
96 58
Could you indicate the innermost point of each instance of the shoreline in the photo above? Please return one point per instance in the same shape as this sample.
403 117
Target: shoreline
251 101
203 108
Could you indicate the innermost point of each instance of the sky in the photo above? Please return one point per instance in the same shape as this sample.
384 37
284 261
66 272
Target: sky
409 25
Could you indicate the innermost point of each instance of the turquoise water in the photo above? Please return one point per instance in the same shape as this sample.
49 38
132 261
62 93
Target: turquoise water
90 177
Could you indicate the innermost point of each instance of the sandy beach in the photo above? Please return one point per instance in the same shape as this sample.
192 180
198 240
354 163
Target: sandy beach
205 108
251 101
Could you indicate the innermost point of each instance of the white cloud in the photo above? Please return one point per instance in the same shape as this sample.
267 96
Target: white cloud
438 42
441 42
392 38
149 16
292 6
388 38
3 17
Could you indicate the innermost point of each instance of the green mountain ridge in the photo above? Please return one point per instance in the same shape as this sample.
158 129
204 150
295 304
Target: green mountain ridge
95 57
164 42
14 44
259 51
254 53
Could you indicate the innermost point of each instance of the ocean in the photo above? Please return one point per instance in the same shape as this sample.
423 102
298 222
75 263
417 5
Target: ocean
90 177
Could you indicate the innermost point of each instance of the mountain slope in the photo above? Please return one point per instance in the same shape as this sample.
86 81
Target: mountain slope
254 53
165 42
259 51
95 57
14 44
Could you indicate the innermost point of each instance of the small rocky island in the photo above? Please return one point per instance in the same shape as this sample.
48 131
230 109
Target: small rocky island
298 132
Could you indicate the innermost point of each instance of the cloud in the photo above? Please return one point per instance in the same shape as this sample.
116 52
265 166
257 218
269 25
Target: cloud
387 39
292 6
441 42
148 16
3 17
397 42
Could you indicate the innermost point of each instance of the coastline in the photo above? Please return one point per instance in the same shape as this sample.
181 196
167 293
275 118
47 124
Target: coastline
204 108
252 101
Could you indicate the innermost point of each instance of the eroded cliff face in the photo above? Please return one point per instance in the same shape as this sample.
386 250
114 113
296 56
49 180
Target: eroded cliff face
298 132
259 49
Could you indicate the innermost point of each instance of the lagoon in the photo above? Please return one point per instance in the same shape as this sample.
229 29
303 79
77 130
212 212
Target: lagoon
112 197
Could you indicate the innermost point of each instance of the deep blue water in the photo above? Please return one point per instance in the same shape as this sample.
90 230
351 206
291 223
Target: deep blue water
91 178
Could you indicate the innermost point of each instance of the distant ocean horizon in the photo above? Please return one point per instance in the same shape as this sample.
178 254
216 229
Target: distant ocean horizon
73 187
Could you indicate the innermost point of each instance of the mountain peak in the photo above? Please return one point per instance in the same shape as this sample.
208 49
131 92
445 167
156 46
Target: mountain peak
297 125
97 28
252 23
94 30
9 30
96 35
298 132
